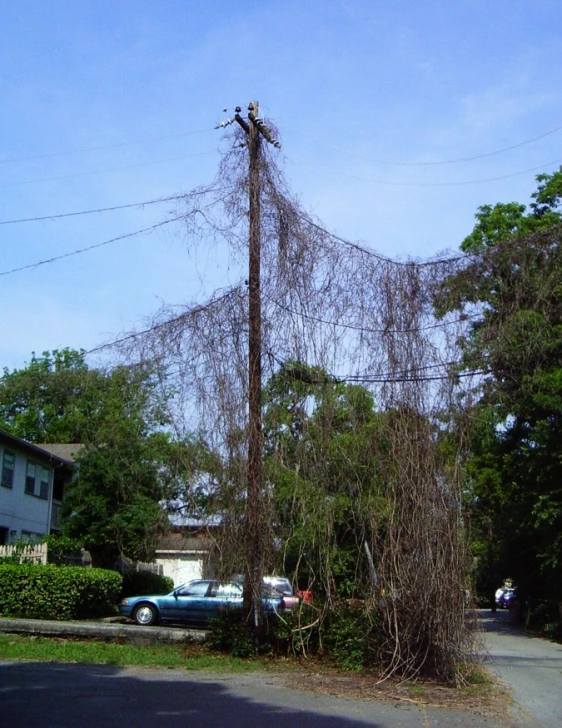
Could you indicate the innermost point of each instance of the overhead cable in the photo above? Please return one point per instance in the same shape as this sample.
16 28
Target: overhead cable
101 148
430 164
170 198
91 212
379 256
183 315
366 329
90 247
112 169
428 184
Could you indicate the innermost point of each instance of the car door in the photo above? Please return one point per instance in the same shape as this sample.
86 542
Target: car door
223 595
187 603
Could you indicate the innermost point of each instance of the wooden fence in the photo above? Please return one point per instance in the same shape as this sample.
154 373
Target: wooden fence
35 552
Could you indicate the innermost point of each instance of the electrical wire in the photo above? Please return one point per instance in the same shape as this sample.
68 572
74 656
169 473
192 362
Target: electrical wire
183 315
427 184
359 379
90 212
374 254
101 148
366 329
58 216
428 164
112 169
90 247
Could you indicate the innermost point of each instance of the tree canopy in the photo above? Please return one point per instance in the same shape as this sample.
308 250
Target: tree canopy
130 464
510 291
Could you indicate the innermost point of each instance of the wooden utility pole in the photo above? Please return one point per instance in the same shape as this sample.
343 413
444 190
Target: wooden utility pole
255 436
254 129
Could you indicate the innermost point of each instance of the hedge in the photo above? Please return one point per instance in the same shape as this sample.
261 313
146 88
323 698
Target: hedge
138 583
57 592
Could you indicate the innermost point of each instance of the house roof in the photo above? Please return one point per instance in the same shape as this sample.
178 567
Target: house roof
183 545
38 450
66 452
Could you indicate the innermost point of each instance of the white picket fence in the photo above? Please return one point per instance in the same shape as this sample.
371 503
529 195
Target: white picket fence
35 552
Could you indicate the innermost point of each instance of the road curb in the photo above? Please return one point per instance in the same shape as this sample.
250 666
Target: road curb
102 630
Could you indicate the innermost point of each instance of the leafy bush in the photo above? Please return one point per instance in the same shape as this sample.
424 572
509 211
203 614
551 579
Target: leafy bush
61 547
348 637
137 583
298 632
545 619
57 592
229 633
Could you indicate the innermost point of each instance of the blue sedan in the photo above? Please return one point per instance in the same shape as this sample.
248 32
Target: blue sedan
197 602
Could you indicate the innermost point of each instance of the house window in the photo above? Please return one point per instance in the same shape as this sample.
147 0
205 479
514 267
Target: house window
8 466
32 537
37 480
30 478
43 483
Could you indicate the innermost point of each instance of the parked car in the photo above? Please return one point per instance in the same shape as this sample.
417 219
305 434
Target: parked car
196 602
284 586
504 599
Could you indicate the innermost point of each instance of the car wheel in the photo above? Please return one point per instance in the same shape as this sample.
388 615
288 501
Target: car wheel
145 615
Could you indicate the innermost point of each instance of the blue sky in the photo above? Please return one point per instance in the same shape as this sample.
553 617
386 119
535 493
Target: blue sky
107 103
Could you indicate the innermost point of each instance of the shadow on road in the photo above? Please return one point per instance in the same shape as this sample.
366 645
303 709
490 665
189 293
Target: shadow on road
47 694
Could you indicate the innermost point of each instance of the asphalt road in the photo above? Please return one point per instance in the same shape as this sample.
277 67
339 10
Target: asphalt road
531 667
50 695
64 696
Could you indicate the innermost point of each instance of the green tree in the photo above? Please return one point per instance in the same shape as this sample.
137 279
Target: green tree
319 454
510 289
50 399
129 464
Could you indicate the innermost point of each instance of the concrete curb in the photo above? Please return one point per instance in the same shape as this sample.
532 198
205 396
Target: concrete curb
102 630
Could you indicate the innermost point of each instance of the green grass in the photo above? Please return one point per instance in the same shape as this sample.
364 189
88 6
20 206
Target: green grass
55 649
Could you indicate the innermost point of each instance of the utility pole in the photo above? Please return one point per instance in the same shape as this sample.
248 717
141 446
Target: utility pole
254 129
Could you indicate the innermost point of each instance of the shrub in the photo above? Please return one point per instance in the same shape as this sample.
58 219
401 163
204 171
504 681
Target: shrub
229 633
348 637
298 632
545 619
61 547
137 583
57 592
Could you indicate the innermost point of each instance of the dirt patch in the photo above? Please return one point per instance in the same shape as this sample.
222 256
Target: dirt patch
488 698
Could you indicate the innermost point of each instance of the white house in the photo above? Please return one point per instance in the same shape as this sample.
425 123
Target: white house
32 482
184 558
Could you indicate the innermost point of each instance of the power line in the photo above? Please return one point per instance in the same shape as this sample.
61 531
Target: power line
90 212
104 171
373 253
366 379
170 198
101 148
365 329
428 164
184 315
429 184
90 247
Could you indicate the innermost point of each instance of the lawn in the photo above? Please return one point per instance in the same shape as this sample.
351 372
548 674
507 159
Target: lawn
69 649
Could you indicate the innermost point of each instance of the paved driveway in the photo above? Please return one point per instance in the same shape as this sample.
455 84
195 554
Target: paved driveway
531 667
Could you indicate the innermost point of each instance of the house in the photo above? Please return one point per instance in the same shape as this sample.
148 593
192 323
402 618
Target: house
185 554
32 483
184 557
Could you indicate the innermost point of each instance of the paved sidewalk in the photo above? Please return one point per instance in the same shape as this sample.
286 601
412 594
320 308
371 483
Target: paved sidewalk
530 667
